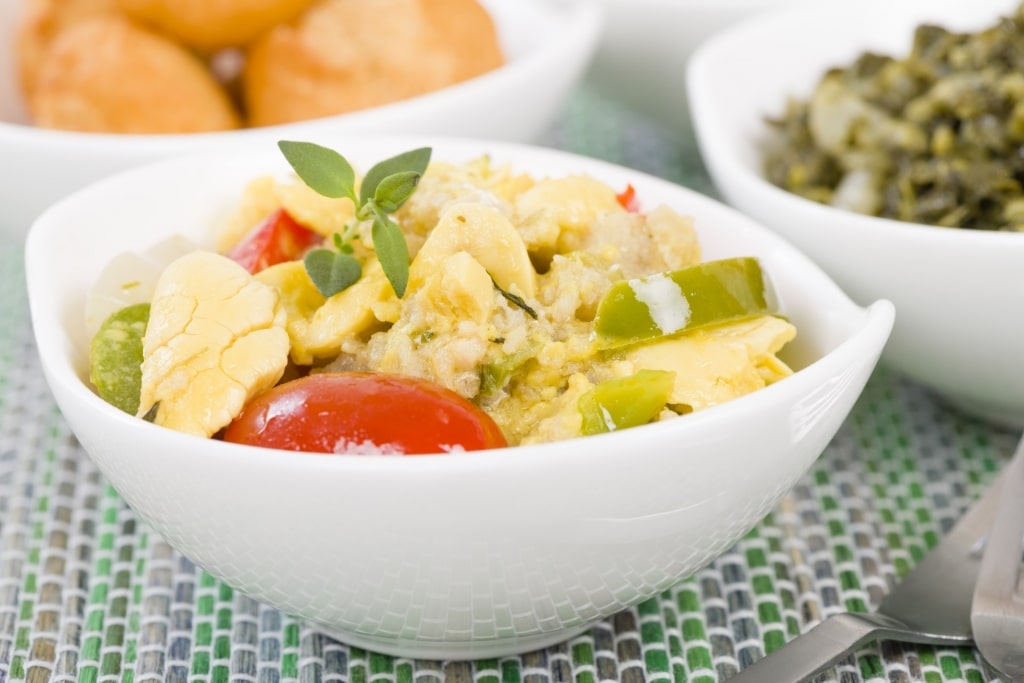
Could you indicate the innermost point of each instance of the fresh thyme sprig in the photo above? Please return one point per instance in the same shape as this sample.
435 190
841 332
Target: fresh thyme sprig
385 188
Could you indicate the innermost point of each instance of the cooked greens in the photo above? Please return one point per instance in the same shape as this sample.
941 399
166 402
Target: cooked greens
936 137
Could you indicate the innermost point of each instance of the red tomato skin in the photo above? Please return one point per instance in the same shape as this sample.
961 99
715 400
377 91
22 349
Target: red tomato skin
277 239
404 414
627 199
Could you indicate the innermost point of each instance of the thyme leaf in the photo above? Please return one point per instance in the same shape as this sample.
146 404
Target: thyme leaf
385 188
514 299
150 415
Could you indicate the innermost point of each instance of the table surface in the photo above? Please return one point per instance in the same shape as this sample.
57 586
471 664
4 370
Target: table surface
88 593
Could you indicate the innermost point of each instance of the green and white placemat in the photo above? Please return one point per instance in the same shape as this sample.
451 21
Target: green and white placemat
88 593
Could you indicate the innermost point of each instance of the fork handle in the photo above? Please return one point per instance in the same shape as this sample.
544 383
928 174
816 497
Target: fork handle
818 649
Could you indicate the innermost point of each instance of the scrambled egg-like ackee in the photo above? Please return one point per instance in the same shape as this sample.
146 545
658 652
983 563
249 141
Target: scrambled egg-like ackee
506 277
215 339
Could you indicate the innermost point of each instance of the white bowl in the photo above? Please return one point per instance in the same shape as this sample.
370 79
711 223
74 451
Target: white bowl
464 555
645 45
547 43
958 293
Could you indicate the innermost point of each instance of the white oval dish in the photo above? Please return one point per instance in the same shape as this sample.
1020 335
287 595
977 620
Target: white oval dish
464 555
547 43
957 292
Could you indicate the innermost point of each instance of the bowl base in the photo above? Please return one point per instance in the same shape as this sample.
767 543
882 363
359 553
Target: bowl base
453 649
994 414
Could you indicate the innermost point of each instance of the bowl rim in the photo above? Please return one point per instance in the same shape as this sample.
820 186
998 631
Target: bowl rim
869 328
720 143
580 21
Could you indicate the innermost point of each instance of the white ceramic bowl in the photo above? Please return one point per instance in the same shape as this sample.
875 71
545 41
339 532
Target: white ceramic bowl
958 293
463 555
548 45
641 59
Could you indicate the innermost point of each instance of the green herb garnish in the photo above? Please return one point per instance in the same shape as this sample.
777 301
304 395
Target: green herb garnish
514 299
333 271
150 415
386 187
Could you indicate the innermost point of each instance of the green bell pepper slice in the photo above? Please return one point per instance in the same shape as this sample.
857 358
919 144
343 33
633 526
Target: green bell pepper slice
626 401
661 305
115 357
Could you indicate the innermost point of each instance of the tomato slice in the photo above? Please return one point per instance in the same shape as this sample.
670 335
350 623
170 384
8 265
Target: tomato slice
627 199
277 239
364 413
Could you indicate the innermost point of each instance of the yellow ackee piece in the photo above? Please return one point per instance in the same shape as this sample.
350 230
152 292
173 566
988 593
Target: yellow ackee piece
717 364
317 326
557 212
674 237
300 299
486 235
559 418
216 338
462 288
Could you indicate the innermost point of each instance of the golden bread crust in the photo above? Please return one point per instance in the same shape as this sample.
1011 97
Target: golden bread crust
340 57
41 23
109 75
213 24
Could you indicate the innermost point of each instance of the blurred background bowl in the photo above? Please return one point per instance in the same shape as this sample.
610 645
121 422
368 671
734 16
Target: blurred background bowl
958 293
464 555
547 44
641 59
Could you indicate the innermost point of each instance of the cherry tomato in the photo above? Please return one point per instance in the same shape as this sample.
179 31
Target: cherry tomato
627 199
362 412
277 239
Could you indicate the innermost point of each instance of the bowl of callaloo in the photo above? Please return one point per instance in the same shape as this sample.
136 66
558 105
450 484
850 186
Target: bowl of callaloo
929 146
455 555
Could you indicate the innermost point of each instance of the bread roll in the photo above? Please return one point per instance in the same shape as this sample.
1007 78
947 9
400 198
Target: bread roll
345 55
109 75
213 24
42 22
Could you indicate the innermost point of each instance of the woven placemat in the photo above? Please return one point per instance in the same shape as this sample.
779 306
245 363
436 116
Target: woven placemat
88 593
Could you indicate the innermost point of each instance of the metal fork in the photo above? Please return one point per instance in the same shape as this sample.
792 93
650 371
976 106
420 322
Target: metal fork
931 605
998 613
